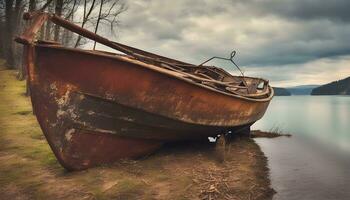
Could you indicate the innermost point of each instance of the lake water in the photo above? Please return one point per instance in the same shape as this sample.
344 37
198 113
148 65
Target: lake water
315 162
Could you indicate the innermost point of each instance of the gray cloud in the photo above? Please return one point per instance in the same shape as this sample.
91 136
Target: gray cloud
266 33
337 10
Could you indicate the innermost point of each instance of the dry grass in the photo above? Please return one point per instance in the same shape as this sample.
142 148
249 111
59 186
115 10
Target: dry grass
29 170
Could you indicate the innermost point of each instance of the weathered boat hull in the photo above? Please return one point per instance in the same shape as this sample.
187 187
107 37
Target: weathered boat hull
95 109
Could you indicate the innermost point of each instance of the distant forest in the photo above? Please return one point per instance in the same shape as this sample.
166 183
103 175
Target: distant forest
341 87
281 91
87 13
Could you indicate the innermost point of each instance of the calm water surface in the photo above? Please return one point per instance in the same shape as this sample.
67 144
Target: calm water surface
315 162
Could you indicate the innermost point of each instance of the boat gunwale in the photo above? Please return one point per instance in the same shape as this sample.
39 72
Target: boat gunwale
158 69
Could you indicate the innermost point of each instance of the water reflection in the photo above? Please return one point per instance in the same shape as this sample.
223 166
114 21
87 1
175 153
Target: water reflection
325 119
314 163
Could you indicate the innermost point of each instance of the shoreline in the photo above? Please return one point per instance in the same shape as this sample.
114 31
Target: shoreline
182 170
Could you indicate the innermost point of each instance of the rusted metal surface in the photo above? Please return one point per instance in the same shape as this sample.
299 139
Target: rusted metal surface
96 107
28 36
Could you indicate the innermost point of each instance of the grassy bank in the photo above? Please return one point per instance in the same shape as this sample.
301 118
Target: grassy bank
29 170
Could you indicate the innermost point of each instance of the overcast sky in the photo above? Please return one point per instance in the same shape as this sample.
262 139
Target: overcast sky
289 42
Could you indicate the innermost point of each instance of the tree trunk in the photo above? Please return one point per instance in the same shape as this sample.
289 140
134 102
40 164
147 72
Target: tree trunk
2 48
48 23
58 12
67 36
86 16
98 21
17 27
8 43
32 5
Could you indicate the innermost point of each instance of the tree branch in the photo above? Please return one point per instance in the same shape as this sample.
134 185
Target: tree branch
45 5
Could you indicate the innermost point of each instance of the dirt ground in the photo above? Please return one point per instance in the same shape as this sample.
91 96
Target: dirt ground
187 170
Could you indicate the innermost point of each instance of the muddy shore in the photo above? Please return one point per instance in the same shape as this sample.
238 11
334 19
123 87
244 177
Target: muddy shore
187 170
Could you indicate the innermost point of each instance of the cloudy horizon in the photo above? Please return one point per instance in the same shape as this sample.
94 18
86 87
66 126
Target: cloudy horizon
291 43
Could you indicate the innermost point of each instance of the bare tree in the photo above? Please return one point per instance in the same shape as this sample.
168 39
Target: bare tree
93 18
22 73
109 11
18 26
86 15
11 10
58 12
32 5
8 45
98 20
67 36
48 23
2 28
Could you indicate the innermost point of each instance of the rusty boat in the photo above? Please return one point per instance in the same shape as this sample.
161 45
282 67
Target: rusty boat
96 107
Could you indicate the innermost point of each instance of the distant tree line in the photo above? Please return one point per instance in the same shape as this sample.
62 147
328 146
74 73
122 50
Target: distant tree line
341 87
88 13
281 91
